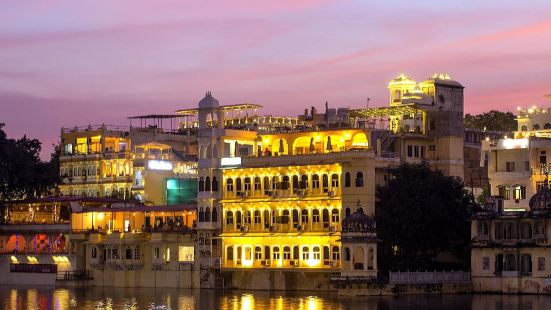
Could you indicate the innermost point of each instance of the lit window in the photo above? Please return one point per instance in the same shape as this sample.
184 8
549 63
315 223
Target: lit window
316 252
185 253
305 253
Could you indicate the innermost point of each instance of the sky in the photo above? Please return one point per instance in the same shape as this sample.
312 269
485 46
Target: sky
69 63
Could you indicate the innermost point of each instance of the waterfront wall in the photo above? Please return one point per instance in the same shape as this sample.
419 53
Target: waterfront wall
276 280
147 278
23 278
403 289
512 285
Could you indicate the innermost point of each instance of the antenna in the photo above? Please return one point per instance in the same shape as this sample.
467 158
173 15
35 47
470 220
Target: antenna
367 105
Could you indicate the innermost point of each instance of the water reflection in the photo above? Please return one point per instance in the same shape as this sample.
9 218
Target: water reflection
165 299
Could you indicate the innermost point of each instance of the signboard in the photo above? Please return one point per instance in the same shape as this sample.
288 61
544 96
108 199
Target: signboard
230 161
34 268
159 165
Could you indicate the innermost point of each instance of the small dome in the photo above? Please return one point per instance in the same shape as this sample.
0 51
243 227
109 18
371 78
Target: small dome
358 222
541 199
208 102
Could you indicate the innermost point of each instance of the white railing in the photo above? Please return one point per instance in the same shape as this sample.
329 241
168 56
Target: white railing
421 277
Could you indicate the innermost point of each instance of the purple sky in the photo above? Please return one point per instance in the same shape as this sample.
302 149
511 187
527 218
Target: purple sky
67 63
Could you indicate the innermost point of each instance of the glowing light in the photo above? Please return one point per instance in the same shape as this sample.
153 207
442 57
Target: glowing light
515 143
312 262
14 260
230 161
159 165
318 138
32 259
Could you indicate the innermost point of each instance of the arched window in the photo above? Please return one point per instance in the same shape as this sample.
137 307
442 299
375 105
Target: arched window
248 217
295 252
286 252
247 184
315 216
526 231
336 253
397 95
304 181
519 192
267 185
201 184
257 253
214 184
229 253
304 216
266 219
326 255
238 186
257 184
334 180
257 216
510 231
510 263
285 217
267 252
207 184
524 128
441 99
238 218
201 239
325 217
335 218
285 182
359 179
276 253
229 185
547 126
347 211
325 183
315 181
207 214
229 218
275 183
347 179
295 183
201 215
214 214
305 253
316 253
536 127
295 218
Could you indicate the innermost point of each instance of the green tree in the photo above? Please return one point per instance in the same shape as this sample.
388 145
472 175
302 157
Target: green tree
420 214
22 173
493 121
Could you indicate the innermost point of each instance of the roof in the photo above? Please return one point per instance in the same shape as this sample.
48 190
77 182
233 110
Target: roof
233 107
155 116
67 199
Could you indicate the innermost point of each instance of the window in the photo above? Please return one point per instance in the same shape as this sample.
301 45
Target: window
359 179
207 184
267 252
304 216
519 192
201 215
305 253
229 185
214 214
315 181
248 253
334 180
257 253
510 263
416 151
238 185
128 253
526 263
94 252
325 183
247 184
527 165
285 183
541 263
201 184
238 219
229 218
316 253
295 184
295 252
486 263
185 254
336 253
510 231
257 184
274 183
286 252
483 229
295 217
410 150
536 127
347 254
335 216
266 185
116 253
247 217
214 184
304 181
266 219
257 218
207 214
347 211
423 151
325 217
315 216
326 253
276 253
504 192
539 228
229 253
137 252
510 166
285 217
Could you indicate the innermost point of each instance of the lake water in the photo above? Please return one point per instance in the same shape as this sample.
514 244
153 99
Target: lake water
118 298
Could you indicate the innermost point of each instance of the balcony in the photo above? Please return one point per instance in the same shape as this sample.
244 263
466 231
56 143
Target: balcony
19 228
287 160
278 194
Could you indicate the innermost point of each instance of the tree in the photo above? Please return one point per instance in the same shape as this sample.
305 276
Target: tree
22 173
493 121
420 214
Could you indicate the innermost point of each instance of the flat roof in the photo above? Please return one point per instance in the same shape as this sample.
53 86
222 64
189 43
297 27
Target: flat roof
386 111
241 106
155 116
66 199
136 208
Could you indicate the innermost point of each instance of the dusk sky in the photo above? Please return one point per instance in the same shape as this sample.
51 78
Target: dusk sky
67 63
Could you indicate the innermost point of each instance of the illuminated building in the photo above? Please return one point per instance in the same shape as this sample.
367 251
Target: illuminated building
274 198
517 165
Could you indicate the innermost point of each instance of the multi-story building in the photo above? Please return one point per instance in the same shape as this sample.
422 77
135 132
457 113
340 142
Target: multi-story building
274 198
517 165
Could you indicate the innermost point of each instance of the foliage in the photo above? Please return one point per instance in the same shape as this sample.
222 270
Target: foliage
22 173
420 214
492 121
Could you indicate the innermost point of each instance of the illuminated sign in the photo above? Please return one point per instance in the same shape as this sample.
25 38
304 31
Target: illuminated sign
159 165
230 161
515 143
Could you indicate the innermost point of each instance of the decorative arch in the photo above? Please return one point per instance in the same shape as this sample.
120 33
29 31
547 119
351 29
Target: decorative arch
359 140
280 146
358 258
303 145
333 143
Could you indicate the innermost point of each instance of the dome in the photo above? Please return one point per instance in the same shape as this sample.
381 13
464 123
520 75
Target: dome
358 222
541 199
208 102
402 79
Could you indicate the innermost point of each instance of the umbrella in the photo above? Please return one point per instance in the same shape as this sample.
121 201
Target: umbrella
329 146
312 147
236 150
281 147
